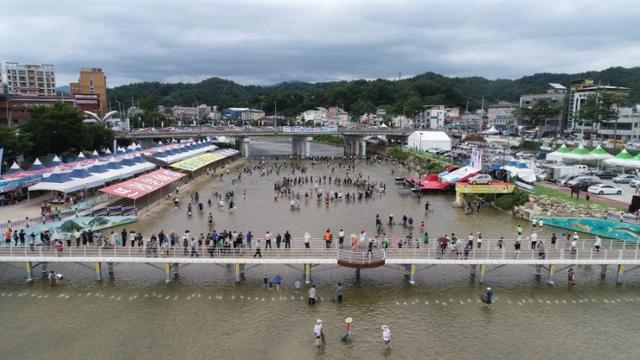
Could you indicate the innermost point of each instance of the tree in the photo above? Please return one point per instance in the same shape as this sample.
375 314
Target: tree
602 106
96 136
13 142
54 129
60 129
536 114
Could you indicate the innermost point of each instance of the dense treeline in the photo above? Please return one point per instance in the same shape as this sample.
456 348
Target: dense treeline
57 129
405 96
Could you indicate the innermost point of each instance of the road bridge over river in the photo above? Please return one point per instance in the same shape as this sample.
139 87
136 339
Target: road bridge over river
354 143
479 261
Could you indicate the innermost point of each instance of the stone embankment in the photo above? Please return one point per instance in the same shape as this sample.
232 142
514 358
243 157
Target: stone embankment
548 206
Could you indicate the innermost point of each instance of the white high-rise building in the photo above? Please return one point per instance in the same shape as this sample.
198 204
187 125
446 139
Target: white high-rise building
30 79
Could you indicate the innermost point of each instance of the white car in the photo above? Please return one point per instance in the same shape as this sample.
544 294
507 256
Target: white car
604 189
634 183
480 179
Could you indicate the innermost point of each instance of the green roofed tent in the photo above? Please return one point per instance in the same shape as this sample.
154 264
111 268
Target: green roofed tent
560 153
624 155
600 153
623 159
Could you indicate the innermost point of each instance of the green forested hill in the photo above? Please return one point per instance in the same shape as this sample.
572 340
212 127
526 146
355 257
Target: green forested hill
359 96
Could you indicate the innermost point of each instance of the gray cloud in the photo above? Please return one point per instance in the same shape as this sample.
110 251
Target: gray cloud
268 41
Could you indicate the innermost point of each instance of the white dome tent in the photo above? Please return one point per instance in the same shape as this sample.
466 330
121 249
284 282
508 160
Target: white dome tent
425 140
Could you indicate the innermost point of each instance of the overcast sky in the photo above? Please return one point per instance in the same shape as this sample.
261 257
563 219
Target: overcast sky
269 41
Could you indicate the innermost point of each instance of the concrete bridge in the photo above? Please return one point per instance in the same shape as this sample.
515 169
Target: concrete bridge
479 261
354 143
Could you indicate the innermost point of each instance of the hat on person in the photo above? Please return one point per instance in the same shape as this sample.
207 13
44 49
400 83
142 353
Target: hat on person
384 327
348 320
488 289
318 321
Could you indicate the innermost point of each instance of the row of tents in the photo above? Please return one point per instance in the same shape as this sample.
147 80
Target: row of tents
92 173
598 154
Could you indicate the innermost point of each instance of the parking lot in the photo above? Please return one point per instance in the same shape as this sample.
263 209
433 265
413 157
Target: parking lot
625 197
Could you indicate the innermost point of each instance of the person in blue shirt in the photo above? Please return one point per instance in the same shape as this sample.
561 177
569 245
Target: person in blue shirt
278 281
488 297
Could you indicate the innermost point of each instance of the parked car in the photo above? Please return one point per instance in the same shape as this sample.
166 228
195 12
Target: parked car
480 179
604 189
584 185
582 178
605 174
562 181
624 178
634 183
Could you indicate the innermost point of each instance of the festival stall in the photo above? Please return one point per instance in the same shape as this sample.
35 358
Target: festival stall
145 189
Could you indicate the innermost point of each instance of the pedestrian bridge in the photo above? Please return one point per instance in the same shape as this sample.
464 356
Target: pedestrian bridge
484 260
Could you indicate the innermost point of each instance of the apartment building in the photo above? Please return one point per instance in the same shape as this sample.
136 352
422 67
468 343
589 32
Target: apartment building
30 79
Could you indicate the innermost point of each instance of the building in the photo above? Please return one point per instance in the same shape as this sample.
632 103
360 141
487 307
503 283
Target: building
92 81
556 94
338 115
402 121
579 91
501 115
133 111
31 79
318 116
14 108
242 114
472 121
628 127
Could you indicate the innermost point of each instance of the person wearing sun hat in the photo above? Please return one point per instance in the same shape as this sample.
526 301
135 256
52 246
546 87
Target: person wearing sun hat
347 329
386 336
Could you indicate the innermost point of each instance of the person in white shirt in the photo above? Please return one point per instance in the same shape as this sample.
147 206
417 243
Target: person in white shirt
318 333
312 295
598 243
534 240
267 240
340 237
386 336
307 240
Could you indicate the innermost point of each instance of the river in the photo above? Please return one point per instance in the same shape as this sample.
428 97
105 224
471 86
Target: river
206 315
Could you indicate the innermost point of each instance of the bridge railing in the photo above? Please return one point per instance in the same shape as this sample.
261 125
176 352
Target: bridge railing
173 252
489 250
361 257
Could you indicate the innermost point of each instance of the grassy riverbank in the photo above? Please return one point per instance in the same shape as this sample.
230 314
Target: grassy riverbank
425 161
336 140
560 195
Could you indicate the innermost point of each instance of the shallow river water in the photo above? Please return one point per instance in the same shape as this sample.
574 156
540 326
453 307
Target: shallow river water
206 315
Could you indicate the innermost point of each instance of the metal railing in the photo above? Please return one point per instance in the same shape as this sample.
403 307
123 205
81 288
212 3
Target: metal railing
361 257
489 250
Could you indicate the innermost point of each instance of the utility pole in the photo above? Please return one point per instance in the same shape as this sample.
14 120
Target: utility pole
275 114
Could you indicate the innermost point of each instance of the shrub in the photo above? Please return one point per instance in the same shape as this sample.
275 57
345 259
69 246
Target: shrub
508 201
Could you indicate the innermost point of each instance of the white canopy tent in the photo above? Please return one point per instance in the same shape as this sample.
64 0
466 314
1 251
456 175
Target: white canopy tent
425 140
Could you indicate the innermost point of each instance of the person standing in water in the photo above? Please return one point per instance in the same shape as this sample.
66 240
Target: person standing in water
339 293
488 297
348 329
386 336
318 333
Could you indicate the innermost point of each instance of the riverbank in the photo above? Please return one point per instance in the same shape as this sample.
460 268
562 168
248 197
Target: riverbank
554 202
424 162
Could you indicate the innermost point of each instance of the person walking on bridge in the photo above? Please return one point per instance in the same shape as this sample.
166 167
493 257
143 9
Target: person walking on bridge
287 240
267 240
258 246
328 237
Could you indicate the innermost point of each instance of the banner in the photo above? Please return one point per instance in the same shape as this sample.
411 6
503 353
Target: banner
197 162
144 184
496 188
310 130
